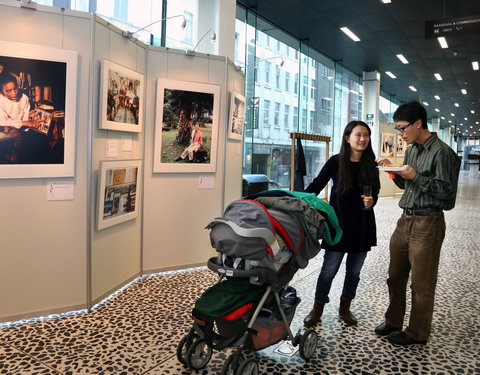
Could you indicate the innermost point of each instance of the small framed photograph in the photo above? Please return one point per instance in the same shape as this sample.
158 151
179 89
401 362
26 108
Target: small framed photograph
119 190
122 98
38 86
236 122
186 126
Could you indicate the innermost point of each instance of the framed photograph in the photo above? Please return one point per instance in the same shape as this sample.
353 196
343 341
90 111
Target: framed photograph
236 119
186 126
388 144
119 191
122 98
401 147
37 111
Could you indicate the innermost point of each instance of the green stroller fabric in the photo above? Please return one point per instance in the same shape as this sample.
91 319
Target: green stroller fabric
228 295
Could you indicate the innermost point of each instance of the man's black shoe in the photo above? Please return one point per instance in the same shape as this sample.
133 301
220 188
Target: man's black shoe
385 329
401 338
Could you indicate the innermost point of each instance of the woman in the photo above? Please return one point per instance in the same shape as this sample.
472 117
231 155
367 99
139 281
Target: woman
350 170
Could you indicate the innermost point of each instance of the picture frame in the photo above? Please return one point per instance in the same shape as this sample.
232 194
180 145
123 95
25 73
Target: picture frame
38 140
236 118
186 112
401 147
387 147
119 192
122 98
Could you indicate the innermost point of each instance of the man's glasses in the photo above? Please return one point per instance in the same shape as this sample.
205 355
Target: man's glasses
402 128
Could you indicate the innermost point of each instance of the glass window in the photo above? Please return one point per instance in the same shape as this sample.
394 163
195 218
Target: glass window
295 86
313 89
286 116
266 113
268 66
276 118
120 9
277 77
287 81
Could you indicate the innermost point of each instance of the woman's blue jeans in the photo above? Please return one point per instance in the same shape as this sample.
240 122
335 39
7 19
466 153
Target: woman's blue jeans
331 264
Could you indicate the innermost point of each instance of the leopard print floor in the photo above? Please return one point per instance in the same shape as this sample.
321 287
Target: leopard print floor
137 330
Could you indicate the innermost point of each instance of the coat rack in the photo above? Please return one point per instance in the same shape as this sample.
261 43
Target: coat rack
308 137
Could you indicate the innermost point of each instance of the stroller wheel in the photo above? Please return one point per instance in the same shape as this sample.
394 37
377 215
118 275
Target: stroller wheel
198 355
182 349
308 344
248 367
229 367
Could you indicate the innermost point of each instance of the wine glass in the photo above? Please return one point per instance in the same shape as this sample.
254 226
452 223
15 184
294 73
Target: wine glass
367 192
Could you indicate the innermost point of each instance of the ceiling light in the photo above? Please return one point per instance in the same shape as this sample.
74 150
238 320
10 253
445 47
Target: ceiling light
471 127
466 118
449 121
443 42
352 36
412 88
475 65
437 97
476 122
472 111
456 105
402 58
325 98
443 118
437 110
391 75
464 92
386 1
452 114
425 103
438 76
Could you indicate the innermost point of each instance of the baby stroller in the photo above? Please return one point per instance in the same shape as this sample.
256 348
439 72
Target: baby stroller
260 245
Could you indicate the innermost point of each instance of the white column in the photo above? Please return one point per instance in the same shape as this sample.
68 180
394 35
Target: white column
220 16
435 125
371 106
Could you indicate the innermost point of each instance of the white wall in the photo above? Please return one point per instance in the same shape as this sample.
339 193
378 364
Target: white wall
52 257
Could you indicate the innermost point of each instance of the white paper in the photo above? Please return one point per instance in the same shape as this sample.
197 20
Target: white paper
127 143
60 191
111 149
206 182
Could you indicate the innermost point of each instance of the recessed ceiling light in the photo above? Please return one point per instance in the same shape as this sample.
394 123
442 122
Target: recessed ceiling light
464 92
472 111
452 114
466 118
437 110
449 121
402 58
412 88
438 76
456 105
475 65
437 97
352 36
471 127
476 122
386 1
425 103
391 75
443 118
443 42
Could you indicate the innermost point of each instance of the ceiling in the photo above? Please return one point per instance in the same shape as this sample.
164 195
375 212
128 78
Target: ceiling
386 30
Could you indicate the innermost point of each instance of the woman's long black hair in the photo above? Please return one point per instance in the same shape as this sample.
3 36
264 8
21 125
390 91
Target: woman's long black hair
368 172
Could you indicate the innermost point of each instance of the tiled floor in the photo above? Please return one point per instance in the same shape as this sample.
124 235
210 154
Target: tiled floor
137 331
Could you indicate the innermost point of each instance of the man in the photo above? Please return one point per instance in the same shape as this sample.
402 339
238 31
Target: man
430 183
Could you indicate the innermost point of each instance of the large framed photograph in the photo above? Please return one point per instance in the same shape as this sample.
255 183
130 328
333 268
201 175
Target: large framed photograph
119 190
388 144
122 98
186 126
236 119
37 111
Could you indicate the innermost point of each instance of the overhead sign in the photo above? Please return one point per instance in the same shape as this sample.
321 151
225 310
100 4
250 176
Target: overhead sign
452 27
370 119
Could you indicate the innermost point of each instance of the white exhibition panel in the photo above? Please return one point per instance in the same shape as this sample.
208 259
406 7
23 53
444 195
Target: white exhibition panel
115 251
43 267
178 208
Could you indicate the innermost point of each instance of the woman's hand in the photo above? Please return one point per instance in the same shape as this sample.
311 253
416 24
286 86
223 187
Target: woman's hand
367 201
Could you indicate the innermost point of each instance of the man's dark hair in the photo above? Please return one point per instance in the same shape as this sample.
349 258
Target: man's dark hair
411 112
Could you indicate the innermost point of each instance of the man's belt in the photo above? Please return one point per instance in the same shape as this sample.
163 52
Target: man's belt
421 211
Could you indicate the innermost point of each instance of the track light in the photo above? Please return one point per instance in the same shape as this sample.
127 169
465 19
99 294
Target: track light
130 34
213 39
